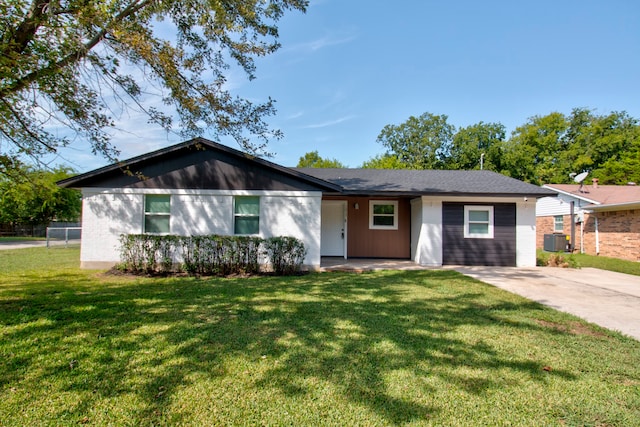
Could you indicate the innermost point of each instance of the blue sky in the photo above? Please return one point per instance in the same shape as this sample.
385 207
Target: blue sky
347 68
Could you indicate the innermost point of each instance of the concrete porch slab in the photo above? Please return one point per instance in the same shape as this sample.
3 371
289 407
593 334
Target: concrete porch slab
367 264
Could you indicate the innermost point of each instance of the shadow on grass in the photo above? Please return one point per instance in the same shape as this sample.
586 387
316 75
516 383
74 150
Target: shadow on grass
351 331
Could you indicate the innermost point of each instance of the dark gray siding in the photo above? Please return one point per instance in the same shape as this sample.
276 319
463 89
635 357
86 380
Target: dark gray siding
499 251
201 169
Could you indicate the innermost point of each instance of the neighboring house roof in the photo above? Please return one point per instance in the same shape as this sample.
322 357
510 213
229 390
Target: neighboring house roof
602 197
427 182
203 164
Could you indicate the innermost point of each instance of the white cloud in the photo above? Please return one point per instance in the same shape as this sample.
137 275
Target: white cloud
295 115
329 123
323 42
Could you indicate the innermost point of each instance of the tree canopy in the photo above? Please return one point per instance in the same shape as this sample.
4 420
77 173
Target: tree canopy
421 142
313 160
30 196
545 149
385 161
77 64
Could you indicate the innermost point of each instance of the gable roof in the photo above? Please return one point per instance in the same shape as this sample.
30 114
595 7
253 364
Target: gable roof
198 164
203 164
602 196
427 182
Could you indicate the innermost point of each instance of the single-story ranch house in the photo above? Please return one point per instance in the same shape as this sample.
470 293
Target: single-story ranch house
199 187
605 219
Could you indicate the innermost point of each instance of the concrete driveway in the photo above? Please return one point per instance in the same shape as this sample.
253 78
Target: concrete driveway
608 299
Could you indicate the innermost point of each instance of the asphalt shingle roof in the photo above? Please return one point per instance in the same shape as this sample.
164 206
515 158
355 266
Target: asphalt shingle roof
423 182
602 194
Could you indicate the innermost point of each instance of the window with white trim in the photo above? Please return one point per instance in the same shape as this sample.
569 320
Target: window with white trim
383 214
157 213
246 215
478 222
558 224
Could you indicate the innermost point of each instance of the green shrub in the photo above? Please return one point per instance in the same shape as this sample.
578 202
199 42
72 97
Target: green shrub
208 255
542 259
286 254
146 253
557 259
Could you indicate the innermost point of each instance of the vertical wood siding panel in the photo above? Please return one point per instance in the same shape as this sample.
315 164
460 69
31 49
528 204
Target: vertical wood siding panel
499 251
365 243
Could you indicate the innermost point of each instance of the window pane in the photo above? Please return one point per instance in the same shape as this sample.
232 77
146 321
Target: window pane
156 224
383 209
247 206
478 228
247 225
157 203
482 216
383 220
558 223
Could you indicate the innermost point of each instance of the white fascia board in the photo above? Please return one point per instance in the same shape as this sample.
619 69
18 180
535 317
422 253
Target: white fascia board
192 192
573 195
472 199
613 207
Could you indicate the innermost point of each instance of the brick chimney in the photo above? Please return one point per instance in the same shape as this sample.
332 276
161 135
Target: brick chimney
595 182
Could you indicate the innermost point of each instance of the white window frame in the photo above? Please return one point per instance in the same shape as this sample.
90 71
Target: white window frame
155 214
373 203
467 223
555 223
236 215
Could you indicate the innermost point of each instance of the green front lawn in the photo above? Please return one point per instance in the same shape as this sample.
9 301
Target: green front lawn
611 264
382 348
583 260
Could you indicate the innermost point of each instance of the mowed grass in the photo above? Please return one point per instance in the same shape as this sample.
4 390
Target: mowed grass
383 348
611 264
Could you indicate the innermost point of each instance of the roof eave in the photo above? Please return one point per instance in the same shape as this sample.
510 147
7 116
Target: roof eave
567 193
366 193
73 181
613 207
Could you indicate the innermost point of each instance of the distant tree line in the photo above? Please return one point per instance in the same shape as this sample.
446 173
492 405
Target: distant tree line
546 149
30 196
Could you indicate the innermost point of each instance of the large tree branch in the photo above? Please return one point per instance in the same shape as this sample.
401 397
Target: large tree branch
25 32
78 54
25 126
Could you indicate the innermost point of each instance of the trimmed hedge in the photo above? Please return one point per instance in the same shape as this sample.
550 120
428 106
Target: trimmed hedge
286 254
209 255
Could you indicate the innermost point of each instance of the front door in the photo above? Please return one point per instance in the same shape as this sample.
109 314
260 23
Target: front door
333 229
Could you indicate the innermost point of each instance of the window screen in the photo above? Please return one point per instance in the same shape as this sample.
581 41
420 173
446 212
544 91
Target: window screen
383 214
478 222
157 213
246 215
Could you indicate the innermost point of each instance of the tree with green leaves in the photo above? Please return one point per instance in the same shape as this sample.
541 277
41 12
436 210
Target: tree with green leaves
384 161
607 145
421 142
475 145
532 154
77 64
548 149
30 196
313 160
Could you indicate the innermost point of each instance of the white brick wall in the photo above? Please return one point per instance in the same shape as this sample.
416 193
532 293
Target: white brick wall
105 216
108 213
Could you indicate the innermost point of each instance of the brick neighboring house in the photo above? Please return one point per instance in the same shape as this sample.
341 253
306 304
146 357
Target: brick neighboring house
606 218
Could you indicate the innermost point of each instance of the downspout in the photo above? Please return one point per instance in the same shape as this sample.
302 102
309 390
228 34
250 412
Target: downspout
582 237
573 227
597 239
